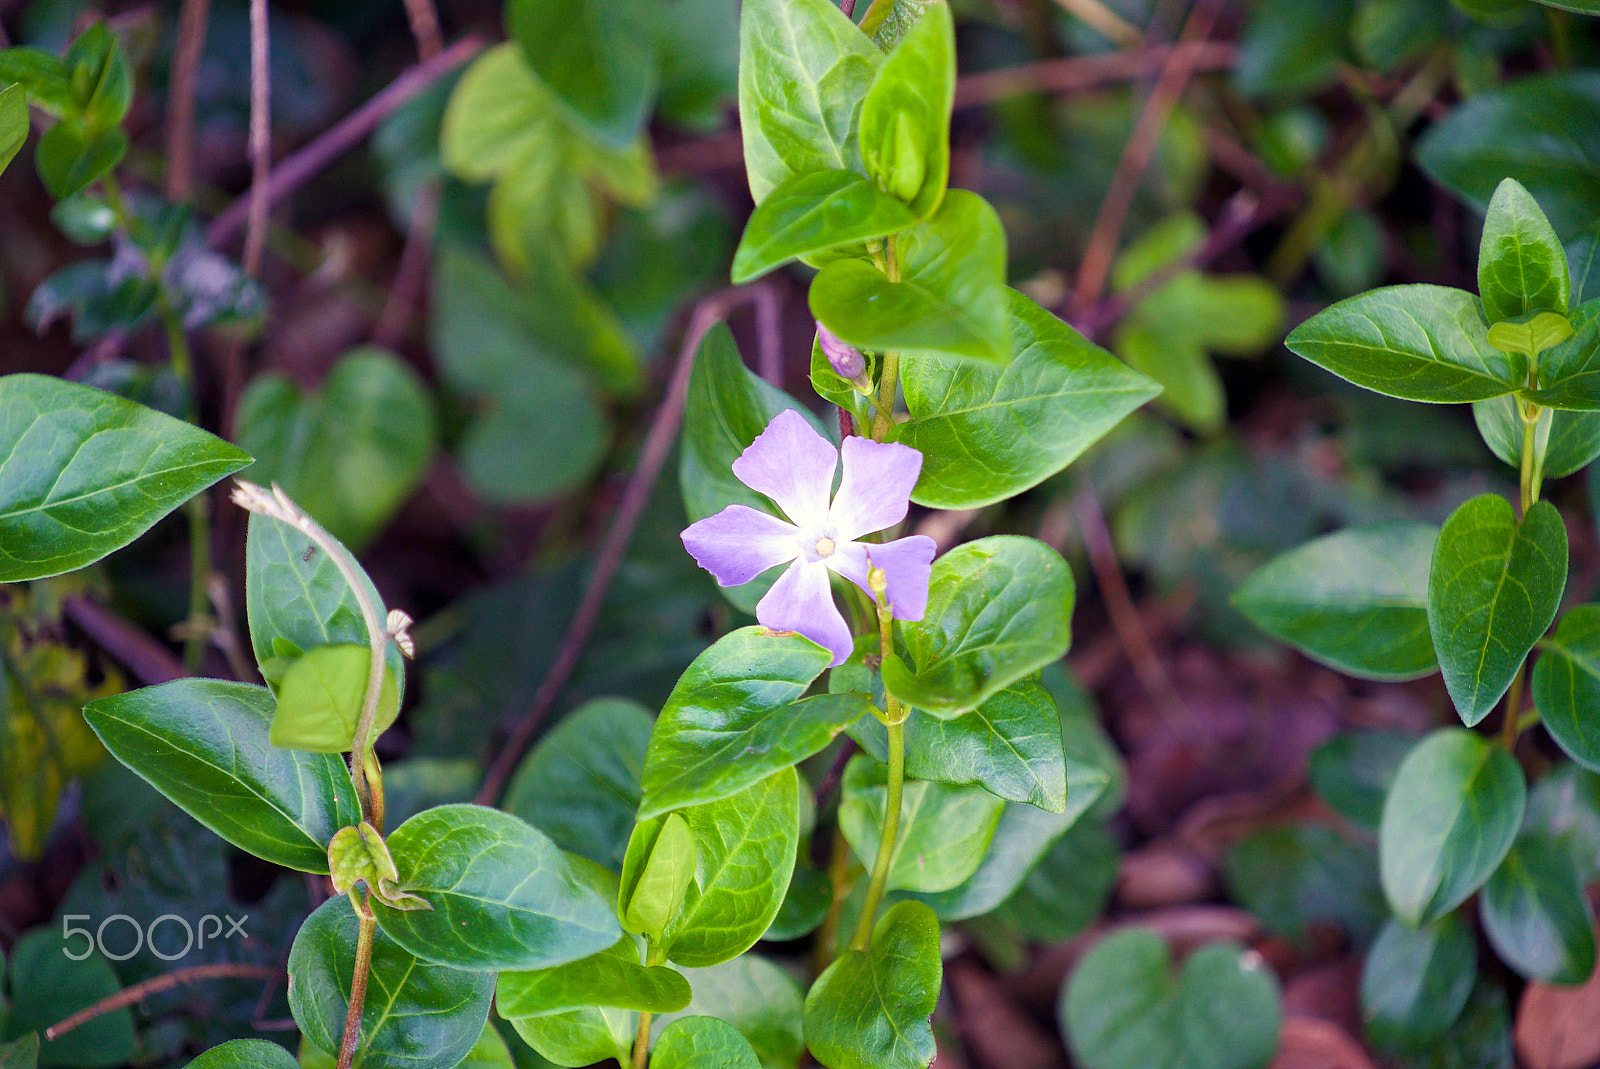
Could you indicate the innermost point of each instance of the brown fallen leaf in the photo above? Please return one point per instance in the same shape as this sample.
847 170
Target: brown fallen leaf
998 1033
1310 1043
1556 1025
1163 874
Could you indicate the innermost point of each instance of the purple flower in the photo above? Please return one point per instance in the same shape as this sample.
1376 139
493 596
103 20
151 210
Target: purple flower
793 465
844 358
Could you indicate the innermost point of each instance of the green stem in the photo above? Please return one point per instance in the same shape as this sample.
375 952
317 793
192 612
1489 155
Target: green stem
365 933
1511 726
641 1036
889 373
1531 475
891 827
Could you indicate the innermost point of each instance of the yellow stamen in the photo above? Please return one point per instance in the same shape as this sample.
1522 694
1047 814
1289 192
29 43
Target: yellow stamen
825 547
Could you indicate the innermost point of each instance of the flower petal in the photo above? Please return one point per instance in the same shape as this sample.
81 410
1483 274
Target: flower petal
906 563
802 601
876 489
792 464
739 543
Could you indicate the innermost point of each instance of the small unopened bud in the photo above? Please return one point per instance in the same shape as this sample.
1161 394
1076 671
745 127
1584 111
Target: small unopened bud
878 581
842 357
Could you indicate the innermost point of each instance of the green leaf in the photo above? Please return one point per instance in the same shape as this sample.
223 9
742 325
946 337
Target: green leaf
101 78
45 78
23 1053
1532 335
905 116
999 608
83 473
1566 684
804 69
503 896
870 1008
1522 267
1068 888
1191 387
612 978
1569 440
987 433
1297 876
1022 838
1493 589
1542 131
703 1043
656 873
47 986
1564 806
1569 373
745 847
320 700
1535 913
580 786
1415 982
245 1054
349 452
1418 343
1290 50
1583 262
1126 1007
1356 600
950 299
13 122
1352 772
1010 746
734 718
297 599
598 55
416 1013
755 996
71 156
944 831
579 1037
203 744
811 213
1450 818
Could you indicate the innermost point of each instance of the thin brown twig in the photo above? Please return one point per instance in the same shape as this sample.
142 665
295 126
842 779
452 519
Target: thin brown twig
1095 267
296 169
192 18
255 235
155 986
769 333
1125 617
657 444
150 662
424 19
411 274
1073 74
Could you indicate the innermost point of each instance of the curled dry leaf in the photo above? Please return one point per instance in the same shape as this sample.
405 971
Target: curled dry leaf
1310 1043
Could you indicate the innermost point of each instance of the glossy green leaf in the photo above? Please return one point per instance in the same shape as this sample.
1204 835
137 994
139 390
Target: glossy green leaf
905 116
13 122
416 1014
1010 746
83 473
1564 807
321 696
297 599
1127 1007
987 433
1583 263
503 896
804 69
944 831
612 978
755 996
1356 600
811 213
870 1008
203 744
44 76
580 786
1530 335
999 609
101 76
580 1037
1566 684
1068 888
1288 50
1352 772
1416 342
656 873
1450 818
1569 439
1522 267
703 1043
72 155
1535 913
48 986
1493 589
728 406
598 55
1542 131
349 452
950 298
1295 877
735 717
745 847
1416 981
245 1054
1569 373
1022 838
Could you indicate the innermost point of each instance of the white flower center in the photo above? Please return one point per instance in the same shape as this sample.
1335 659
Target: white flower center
825 547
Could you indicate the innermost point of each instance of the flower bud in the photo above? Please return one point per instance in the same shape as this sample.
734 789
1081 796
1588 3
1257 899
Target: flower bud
847 361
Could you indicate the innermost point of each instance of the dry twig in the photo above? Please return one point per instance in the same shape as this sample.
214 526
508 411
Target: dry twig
155 986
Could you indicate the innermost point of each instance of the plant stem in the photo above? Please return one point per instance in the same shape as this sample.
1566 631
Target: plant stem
653 956
1531 475
1512 726
891 827
358 984
889 374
